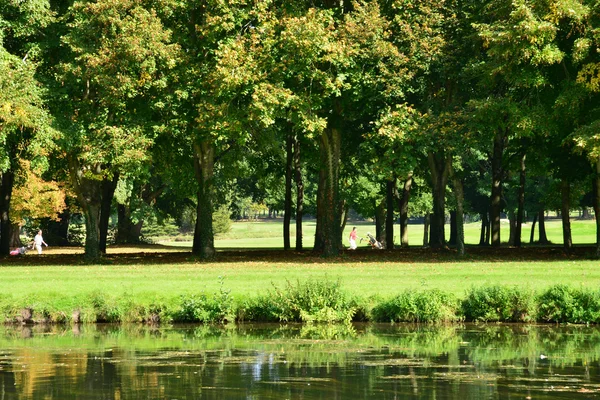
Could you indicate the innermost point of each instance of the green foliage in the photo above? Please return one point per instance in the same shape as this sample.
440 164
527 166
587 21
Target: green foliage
411 306
562 303
222 220
206 309
499 304
312 301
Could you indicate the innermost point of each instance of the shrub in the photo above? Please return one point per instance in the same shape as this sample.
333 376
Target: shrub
311 301
499 304
412 306
202 308
562 303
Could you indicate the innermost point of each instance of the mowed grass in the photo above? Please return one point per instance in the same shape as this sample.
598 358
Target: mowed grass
156 271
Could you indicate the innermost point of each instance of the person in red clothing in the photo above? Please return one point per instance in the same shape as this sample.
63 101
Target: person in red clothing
353 239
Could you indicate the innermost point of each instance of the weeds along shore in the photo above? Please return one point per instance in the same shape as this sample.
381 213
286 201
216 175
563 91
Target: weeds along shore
310 301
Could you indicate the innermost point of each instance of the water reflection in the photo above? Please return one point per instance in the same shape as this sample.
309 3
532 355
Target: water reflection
299 362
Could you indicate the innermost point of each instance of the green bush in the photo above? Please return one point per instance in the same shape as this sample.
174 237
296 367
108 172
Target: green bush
202 308
311 301
411 306
562 303
499 304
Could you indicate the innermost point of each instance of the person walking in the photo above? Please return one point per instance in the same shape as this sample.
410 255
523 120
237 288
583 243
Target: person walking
352 239
38 241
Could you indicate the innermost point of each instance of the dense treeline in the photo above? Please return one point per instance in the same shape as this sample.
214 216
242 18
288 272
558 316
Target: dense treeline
388 108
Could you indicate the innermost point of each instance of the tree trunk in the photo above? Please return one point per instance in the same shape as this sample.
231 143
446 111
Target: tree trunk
543 239
108 192
204 240
453 228
389 221
6 187
89 195
565 191
497 176
127 231
439 164
344 210
403 207
287 206
426 221
512 225
596 191
15 235
460 228
531 235
299 193
380 221
328 219
484 225
59 230
521 204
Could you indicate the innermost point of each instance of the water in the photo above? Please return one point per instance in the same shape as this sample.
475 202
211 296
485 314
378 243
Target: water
300 362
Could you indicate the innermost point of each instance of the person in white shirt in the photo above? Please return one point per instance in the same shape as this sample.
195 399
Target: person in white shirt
38 241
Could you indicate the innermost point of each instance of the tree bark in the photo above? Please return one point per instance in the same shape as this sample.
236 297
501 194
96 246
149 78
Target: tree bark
512 224
127 231
204 241
287 204
403 207
521 203
565 190
497 176
108 192
299 193
6 188
484 229
439 164
380 221
532 234
328 219
89 195
15 235
389 221
460 228
596 191
543 238
453 229
426 221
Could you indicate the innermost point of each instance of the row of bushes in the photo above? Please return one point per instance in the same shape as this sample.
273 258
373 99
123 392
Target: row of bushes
317 301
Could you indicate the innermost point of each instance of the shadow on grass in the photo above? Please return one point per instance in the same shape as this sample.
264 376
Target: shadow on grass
157 254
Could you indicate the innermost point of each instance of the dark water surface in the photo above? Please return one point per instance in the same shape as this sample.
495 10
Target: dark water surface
300 362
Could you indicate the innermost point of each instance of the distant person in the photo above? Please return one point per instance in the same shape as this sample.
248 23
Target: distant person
38 241
353 239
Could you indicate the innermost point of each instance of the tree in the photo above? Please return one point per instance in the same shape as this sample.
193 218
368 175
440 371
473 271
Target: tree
115 57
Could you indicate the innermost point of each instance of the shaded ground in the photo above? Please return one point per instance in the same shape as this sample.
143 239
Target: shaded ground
158 254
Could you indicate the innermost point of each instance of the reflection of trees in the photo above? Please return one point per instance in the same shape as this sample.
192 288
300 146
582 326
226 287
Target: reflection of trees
315 361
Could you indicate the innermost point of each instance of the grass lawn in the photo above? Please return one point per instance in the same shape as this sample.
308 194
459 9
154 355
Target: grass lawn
147 272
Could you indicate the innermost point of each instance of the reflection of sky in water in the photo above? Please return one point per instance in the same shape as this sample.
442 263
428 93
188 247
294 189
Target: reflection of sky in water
450 362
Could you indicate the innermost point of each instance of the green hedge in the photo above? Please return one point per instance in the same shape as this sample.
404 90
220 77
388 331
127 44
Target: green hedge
312 301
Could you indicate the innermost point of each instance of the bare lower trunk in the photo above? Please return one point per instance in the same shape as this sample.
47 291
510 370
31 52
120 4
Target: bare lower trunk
328 219
496 196
532 234
426 230
460 229
596 191
389 220
453 228
484 226
543 238
512 225
439 165
15 235
403 207
521 204
299 193
565 189
108 192
204 241
127 231
6 187
380 221
287 204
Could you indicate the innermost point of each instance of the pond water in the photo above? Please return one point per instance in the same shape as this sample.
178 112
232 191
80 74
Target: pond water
300 362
